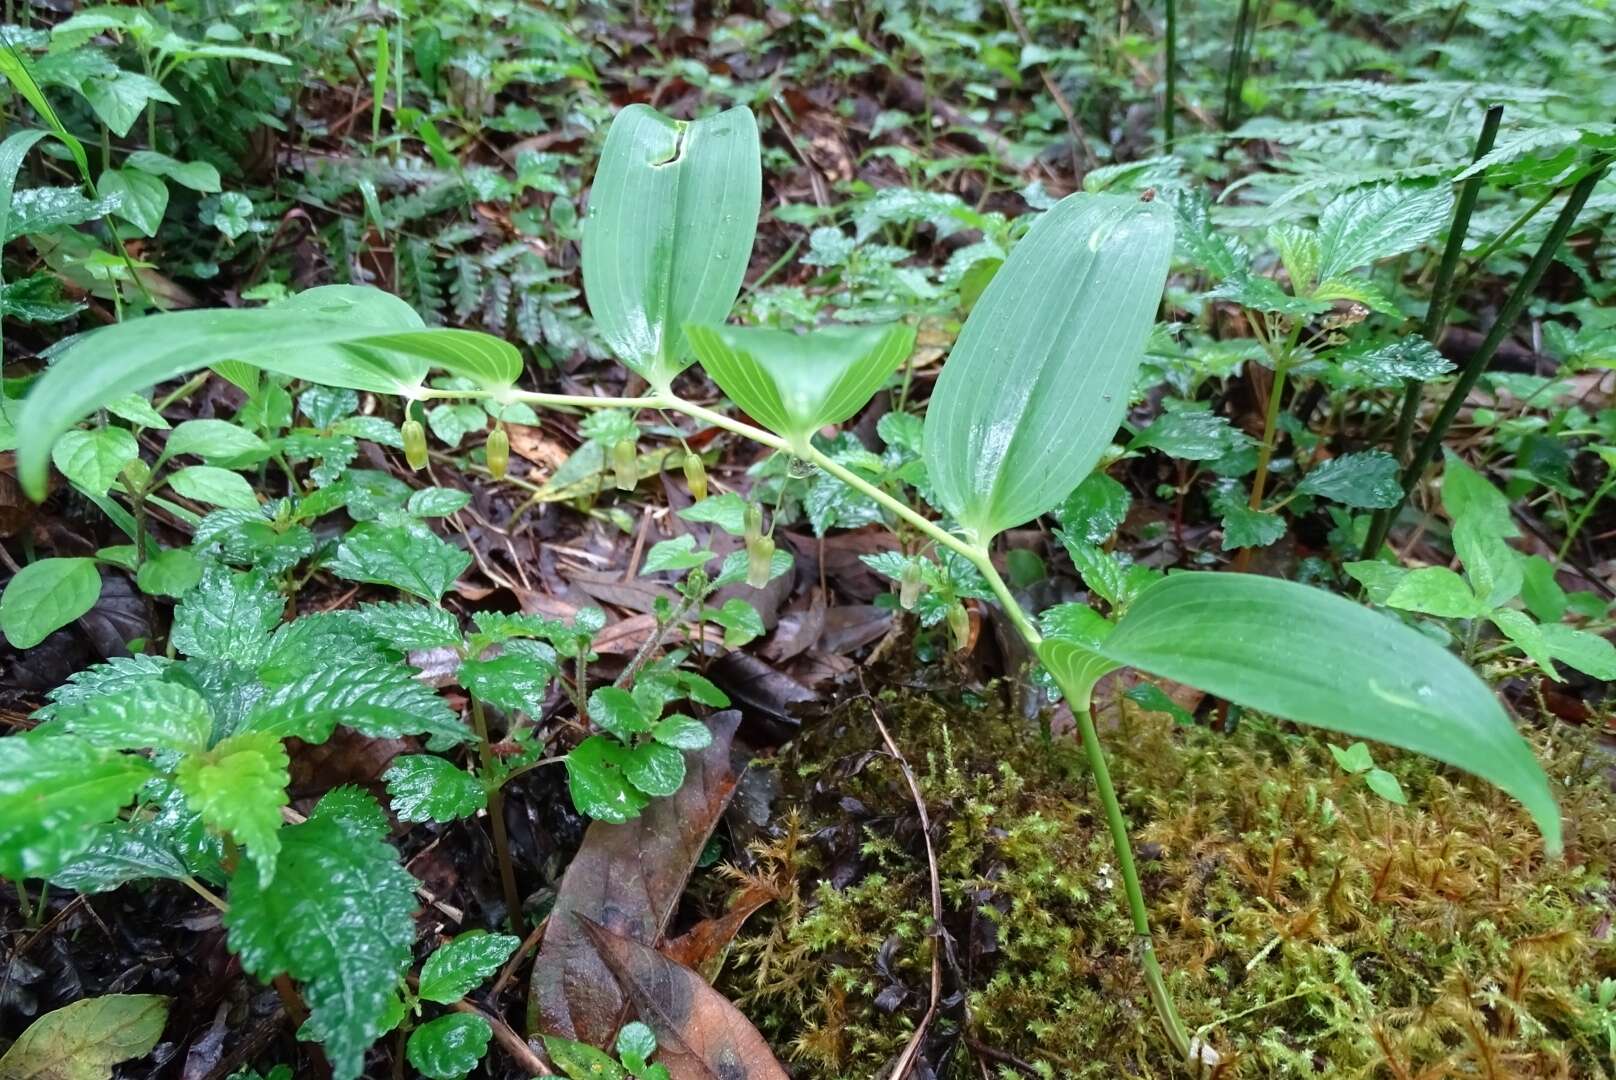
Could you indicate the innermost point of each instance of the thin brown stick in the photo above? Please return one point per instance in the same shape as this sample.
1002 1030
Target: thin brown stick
906 1060
513 1043
509 970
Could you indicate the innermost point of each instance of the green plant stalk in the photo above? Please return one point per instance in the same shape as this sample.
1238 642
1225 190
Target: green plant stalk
1169 104
1582 516
1237 65
496 818
1265 452
1436 315
1501 328
978 554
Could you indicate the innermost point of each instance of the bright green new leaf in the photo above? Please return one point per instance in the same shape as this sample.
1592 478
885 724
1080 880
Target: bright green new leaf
740 620
448 1047
171 572
1040 376
616 711
1435 590
239 787
677 554
339 919
54 789
654 768
45 596
92 459
518 678
426 788
304 337
84 1040
1308 656
1376 222
795 384
143 198
580 1061
458 967
216 442
682 732
596 782
214 486
635 1045
412 559
149 715
672 215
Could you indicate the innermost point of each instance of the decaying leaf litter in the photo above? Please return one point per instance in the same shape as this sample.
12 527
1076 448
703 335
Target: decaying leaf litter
916 876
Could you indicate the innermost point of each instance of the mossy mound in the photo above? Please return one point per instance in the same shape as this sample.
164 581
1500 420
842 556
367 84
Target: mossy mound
1317 929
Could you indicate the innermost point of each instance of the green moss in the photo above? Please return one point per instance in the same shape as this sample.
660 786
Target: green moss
1316 928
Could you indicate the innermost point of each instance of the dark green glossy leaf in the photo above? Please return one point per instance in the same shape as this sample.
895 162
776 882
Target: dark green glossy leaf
426 788
448 1047
1366 480
411 559
518 678
148 715
384 701
54 789
458 967
228 616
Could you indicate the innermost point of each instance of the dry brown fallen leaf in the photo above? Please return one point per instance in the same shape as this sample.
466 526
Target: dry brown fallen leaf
700 1035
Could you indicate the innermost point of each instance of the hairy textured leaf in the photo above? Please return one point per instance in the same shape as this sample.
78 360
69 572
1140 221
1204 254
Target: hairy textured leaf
45 596
1371 223
426 788
407 626
228 616
1367 480
458 967
147 715
338 919
84 1040
1306 655
795 384
239 787
381 700
518 678
412 559
120 852
1039 378
671 219
54 789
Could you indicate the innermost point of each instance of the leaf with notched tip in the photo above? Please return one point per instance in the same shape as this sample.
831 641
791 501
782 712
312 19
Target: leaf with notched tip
700 1035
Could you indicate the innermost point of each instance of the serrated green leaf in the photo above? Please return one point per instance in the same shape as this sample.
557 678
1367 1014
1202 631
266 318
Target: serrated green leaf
92 459
1094 509
228 616
518 678
46 595
384 701
120 852
672 215
426 788
448 1047
411 559
84 1040
407 626
1319 659
1040 376
635 1045
1366 480
795 384
458 967
1244 527
110 677
54 789
239 787
1192 434
437 502
654 768
339 919
596 782
148 715
1386 365
1371 223
214 486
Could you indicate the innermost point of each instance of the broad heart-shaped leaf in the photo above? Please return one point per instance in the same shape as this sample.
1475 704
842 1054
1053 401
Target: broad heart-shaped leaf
1309 656
458 967
84 1040
427 788
672 215
306 337
54 789
239 787
795 384
45 596
1039 378
338 919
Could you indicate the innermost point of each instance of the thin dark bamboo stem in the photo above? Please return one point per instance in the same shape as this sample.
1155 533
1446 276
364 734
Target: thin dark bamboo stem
1237 65
1436 315
1170 102
1501 328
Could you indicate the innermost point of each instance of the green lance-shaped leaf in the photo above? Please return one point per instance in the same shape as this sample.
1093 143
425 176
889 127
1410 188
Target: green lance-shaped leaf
672 215
1309 656
795 384
337 335
1039 378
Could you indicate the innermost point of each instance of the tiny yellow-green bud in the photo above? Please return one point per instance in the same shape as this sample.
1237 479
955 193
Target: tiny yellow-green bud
759 561
498 450
910 585
754 522
695 475
959 626
625 465
414 443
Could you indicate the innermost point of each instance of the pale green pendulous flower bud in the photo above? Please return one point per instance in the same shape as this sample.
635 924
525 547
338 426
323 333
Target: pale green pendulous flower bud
695 475
498 450
414 443
910 586
625 465
959 626
754 522
759 560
